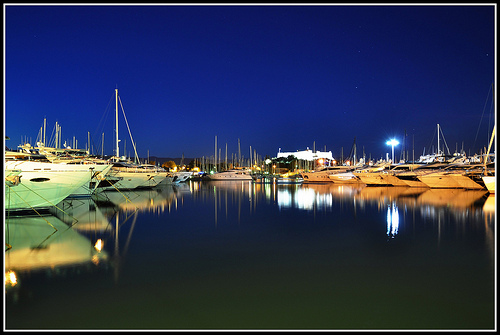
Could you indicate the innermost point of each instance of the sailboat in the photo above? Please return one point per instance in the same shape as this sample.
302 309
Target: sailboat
440 155
33 182
128 175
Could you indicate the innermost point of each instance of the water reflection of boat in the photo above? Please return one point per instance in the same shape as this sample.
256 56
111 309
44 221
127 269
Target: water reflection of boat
158 197
82 214
385 192
456 198
489 204
337 190
35 244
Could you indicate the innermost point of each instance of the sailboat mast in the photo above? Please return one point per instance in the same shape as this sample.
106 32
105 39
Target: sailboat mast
438 137
116 125
215 160
489 148
44 126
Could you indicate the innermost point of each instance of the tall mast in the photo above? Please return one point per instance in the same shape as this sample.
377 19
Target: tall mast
116 125
489 148
438 137
57 136
215 160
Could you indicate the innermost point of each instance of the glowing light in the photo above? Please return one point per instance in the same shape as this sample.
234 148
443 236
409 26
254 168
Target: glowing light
98 245
11 278
393 142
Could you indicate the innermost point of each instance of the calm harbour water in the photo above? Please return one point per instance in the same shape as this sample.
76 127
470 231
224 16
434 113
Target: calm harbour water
241 255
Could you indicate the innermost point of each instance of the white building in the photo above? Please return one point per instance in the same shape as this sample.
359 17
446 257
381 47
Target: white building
306 155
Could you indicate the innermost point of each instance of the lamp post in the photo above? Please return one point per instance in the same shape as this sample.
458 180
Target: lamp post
392 143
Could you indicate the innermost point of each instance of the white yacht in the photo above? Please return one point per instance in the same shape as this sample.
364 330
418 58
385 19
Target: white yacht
41 184
125 175
322 175
180 176
489 182
347 177
452 176
128 176
231 175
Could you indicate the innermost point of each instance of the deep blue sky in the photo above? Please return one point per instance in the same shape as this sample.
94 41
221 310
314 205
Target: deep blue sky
273 76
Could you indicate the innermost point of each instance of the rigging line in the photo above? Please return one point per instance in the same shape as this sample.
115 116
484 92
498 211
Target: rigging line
129 132
55 206
112 184
10 189
39 244
129 237
484 108
104 117
446 144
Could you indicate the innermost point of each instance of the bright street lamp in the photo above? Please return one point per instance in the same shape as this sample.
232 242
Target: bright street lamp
392 143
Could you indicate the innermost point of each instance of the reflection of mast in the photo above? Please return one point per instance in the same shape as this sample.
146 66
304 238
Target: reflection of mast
117 257
215 203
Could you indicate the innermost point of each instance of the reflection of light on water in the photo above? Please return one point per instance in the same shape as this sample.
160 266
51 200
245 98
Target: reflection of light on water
284 199
10 278
392 220
98 245
303 198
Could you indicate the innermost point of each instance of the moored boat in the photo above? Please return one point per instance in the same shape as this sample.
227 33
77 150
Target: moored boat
453 176
372 175
322 175
489 182
44 184
234 174
128 176
347 177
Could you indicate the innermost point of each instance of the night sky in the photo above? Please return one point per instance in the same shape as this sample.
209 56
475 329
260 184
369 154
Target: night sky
289 77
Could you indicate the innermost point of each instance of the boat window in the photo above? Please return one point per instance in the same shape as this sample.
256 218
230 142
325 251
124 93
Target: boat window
39 180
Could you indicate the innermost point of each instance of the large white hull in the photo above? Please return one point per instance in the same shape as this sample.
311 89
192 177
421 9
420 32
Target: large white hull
44 184
489 182
439 180
130 178
231 175
371 178
410 178
88 188
323 176
465 181
177 177
344 178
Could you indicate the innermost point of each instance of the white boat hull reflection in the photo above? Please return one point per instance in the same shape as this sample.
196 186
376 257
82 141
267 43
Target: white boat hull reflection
35 245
